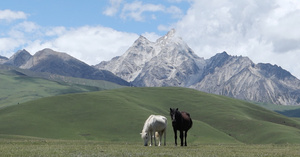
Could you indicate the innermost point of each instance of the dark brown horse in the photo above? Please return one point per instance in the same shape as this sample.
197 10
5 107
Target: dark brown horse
180 121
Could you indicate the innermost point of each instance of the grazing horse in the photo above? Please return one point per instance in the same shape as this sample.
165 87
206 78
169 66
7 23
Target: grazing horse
180 121
155 123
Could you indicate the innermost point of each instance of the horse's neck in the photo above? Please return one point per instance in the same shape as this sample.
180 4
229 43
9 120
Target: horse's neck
179 115
145 128
147 124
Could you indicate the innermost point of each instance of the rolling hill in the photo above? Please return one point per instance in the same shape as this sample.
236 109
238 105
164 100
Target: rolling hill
119 114
19 85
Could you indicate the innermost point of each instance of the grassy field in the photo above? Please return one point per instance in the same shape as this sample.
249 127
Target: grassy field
118 115
24 146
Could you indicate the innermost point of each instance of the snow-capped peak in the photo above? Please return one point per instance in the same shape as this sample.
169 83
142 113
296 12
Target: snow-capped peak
170 37
170 51
141 40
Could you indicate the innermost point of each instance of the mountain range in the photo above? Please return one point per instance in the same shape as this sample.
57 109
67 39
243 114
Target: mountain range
169 61
60 63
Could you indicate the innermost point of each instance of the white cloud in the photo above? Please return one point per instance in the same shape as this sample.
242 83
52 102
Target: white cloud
140 11
266 31
113 8
55 31
136 9
9 44
174 1
282 25
9 15
174 11
27 26
89 44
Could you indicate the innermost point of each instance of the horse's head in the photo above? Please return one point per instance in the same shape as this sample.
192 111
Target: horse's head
145 136
173 113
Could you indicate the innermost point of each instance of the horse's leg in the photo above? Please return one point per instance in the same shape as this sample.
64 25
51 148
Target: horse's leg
165 136
159 134
175 136
185 137
181 137
151 138
154 132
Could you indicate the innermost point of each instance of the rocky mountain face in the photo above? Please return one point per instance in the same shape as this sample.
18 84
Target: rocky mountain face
19 58
166 62
63 64
239 77
3 59
170 62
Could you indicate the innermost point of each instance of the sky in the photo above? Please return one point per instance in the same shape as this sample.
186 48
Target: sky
266 31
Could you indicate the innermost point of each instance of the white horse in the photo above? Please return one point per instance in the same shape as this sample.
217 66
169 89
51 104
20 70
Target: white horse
155 123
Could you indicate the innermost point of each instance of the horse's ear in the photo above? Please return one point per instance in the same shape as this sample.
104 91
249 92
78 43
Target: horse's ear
170 109
176 109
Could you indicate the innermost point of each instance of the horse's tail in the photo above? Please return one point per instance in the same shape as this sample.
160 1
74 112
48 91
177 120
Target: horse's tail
191 123
156 135
188 114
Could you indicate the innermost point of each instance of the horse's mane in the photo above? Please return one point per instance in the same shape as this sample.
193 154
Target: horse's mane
147 123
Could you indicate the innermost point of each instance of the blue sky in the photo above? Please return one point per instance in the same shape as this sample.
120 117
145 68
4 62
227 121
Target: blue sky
95 30
53 13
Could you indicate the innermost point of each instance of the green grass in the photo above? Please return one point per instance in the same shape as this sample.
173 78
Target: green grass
18 86
290 111
118 116
25 146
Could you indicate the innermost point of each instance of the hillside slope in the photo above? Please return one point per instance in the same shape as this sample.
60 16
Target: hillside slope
119 115
19 85
19 58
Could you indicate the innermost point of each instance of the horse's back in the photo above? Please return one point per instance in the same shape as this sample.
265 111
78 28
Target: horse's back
161 119
157 122
187 118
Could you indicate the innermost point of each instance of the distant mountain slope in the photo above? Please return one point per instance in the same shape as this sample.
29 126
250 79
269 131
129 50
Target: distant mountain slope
240 78
17 87
170 62
63 64
3 59
217 119
19 58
